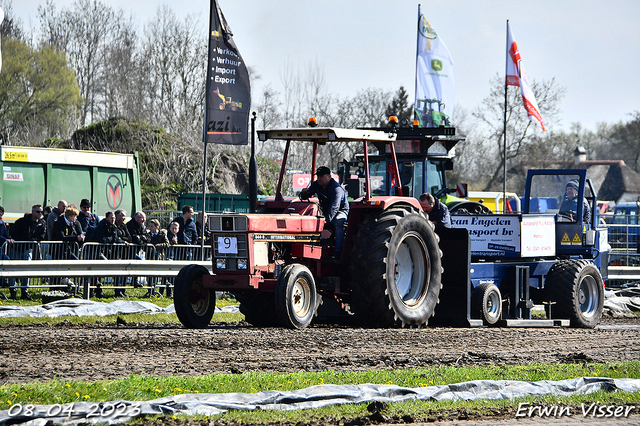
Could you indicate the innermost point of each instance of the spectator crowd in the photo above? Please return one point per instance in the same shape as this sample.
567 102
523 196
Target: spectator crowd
74 227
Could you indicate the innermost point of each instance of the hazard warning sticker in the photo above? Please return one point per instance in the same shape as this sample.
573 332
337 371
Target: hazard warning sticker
565 239
577 241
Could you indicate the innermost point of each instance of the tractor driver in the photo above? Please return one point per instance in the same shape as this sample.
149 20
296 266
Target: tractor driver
333 202
569 206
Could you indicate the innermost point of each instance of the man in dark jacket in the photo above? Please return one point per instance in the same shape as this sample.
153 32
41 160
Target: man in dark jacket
122 235
569 206
31 227
188 232
53 217
438 212
89 221
106 230
122 231
333 202
137 229
67 228
105 234
140 236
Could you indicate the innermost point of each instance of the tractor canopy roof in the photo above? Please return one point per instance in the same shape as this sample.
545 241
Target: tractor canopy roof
326 134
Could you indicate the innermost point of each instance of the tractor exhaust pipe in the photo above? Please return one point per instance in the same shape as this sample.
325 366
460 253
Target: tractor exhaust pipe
253 169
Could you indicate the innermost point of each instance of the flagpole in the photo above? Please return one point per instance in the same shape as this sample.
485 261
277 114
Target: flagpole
415 92
504 131
204 133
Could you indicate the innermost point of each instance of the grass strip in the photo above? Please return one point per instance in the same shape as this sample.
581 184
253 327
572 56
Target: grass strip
141 388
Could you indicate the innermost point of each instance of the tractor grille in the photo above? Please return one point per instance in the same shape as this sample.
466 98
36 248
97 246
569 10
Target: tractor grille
222 222
219 240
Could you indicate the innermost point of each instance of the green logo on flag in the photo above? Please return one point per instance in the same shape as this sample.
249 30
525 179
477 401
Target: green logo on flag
436 65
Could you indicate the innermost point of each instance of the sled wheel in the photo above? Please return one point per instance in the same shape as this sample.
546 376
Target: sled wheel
486 303
577 288
296 297
395 269
193 302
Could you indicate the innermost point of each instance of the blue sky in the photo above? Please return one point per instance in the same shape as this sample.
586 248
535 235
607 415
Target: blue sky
591 47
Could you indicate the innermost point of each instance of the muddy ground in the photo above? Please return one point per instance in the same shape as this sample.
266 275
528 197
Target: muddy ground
110 350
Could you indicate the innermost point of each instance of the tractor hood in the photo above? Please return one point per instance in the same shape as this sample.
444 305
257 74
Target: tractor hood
266 223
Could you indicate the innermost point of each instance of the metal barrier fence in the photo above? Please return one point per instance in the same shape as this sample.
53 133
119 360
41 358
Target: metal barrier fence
94 267
164 216
623 237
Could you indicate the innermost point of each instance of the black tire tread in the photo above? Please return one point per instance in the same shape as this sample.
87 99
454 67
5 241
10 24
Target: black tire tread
478 303
281 301
182 304
258 308
562 287
369 300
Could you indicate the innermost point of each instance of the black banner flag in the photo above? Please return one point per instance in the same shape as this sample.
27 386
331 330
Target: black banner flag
228 90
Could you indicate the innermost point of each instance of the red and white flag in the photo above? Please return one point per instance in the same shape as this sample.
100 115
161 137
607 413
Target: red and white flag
516 76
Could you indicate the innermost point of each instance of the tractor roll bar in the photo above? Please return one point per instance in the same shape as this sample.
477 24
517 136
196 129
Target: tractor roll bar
323 135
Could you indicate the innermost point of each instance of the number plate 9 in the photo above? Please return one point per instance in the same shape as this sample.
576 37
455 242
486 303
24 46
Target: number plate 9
227 245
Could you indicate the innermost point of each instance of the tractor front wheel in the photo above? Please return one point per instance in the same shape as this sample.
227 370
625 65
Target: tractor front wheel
296 297
193 302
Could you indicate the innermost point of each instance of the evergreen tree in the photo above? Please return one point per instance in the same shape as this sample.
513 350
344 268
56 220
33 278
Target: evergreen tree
399 107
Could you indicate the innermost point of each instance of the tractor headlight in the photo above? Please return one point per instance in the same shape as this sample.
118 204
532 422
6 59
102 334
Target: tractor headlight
242 263
221 263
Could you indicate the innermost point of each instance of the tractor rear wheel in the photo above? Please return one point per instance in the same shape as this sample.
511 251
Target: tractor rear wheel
395 269
258 308
296 297
577 288
193 302
486 303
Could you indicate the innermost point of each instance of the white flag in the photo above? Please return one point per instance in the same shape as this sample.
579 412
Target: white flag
435 81
516 76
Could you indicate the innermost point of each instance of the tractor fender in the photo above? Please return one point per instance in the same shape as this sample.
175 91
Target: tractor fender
385 202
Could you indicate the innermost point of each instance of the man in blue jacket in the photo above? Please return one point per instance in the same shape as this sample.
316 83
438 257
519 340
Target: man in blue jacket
333 202
438 213
187 234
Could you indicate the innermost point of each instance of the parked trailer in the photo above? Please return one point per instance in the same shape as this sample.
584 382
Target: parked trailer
46 175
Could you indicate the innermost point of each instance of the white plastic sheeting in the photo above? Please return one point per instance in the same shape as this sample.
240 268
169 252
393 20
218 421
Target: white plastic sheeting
313 397
82 307
623 300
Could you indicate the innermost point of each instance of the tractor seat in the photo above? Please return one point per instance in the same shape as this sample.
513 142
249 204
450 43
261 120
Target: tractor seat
304 208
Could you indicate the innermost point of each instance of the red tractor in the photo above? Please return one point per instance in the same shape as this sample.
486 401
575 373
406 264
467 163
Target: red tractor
280 266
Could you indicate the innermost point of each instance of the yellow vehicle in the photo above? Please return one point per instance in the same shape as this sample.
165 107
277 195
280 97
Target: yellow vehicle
227 103
493 200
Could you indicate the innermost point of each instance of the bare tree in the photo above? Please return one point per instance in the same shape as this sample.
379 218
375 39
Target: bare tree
123 82
85 33
623 141
11 26
520 130
175 53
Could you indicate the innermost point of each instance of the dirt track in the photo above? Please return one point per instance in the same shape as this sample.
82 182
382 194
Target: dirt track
108 351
